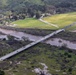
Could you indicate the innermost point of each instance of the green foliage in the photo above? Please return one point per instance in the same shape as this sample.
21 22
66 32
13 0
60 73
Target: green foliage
20 9
52 56
3 3
62 19
2 72
18 6
31 23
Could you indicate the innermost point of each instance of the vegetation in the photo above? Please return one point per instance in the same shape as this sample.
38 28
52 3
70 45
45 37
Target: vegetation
25 14
7 46
62 20
71 36
32 23
61 59
11 10
2 72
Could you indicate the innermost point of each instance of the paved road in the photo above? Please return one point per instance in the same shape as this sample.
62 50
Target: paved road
34 43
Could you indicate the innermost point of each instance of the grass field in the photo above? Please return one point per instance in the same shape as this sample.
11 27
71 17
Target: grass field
61 20
32 23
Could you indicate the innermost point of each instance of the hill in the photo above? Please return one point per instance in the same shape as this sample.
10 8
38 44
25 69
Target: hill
11 10
60 5
27 61
32 23
41 5
61 20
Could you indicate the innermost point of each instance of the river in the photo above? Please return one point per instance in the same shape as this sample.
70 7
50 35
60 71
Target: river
54 41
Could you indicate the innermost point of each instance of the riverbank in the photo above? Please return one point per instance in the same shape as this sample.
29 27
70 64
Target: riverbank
8 44
38 32
67 35
60 39
59 60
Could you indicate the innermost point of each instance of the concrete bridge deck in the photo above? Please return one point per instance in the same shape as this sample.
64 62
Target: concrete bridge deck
34 43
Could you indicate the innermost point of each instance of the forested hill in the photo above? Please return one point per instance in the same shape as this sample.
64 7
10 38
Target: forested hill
19 9
41 5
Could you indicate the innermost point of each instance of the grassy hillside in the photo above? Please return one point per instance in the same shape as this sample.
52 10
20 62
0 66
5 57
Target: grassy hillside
58 60
32 23
62 19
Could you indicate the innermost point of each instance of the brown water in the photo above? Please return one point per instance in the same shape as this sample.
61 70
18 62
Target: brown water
3 37
54 42
20 34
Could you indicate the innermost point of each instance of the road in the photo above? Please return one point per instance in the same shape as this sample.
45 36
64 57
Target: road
34 43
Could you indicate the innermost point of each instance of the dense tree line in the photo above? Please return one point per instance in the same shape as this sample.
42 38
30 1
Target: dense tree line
20 9
32 6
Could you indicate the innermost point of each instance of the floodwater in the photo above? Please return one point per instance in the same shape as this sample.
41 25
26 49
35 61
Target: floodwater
20 34
60 42
3 37
54 41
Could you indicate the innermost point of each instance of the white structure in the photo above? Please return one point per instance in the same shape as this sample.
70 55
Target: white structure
29 45
33 43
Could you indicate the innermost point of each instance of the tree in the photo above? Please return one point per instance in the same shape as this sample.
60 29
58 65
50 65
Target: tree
2 72
70 70
38 14
11 38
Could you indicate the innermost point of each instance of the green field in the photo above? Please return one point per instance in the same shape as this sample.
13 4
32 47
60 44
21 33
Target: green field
61 20
32 23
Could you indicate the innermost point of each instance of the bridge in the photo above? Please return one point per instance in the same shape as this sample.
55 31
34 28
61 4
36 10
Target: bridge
34 43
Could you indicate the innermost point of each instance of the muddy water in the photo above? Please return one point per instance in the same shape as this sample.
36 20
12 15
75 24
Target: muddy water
3 37
54 42
61 42
20 34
